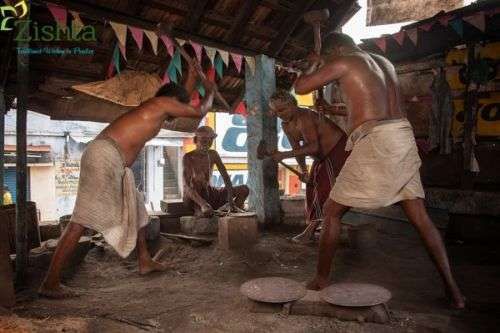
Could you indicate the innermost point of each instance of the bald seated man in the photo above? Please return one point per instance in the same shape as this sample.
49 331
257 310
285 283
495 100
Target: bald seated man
383 166
199 195
107 199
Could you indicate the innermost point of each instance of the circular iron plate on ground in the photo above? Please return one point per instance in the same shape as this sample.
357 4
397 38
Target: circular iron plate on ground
273 290
355 294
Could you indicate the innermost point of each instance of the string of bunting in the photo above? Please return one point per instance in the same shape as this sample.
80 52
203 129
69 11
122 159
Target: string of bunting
477 20
218 58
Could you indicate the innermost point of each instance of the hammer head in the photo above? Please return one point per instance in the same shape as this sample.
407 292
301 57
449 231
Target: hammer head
314 17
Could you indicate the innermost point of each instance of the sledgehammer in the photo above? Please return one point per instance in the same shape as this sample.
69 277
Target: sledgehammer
262 153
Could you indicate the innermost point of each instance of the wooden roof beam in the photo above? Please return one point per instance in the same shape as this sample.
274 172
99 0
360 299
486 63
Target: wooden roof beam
198 8
103 14
245 13
289 26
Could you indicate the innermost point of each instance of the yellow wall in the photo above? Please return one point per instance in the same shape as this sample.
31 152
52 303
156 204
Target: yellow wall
488 118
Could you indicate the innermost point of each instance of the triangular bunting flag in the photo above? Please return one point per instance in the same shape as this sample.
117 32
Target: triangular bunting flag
381 43
166 78
169 44
116 58
120 31
444 19
138 35
399 37
225 56
172 72
237 59
180 41
477 20
241 109
176 60
153 39
251 64
427 26
201 89
458 26
123 50
219 66
60 15
413 35
198 49
211 74
195 99
77 25
211 53
493 11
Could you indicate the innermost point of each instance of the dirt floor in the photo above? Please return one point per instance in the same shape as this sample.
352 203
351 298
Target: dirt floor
202 293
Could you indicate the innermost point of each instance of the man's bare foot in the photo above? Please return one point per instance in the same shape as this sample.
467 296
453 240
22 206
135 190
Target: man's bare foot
457 300
303 238
150 265
317 284
58 292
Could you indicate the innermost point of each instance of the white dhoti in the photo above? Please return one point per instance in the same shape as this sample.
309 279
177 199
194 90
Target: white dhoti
383 167
107 200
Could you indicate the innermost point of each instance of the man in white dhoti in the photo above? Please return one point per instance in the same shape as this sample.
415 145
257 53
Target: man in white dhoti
107 200
383 167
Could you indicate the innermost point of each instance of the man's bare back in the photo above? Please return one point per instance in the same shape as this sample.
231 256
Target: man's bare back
368 84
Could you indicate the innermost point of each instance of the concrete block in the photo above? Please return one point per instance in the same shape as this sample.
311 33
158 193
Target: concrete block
193 225
170 223
238 231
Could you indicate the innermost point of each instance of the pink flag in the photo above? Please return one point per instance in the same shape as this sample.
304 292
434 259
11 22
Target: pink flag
168 44
443 20
477 20
413 35
399 37
166 79
237 59
138 35
60 15
123 50
427 26
381 43
197 49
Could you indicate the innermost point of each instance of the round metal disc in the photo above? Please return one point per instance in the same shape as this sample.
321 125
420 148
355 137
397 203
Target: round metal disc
273 290
355 294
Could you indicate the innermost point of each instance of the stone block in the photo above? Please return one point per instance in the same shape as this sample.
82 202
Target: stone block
361 234
175 208
193 225
49 231
153 228
170 223
238 231
312 305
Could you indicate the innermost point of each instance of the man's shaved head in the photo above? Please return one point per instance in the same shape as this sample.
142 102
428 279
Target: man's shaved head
335 40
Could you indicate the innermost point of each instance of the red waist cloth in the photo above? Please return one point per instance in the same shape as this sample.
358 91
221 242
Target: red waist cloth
321 179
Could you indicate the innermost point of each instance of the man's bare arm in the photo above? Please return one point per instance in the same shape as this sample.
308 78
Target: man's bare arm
310 146
331 71
225 176
192 77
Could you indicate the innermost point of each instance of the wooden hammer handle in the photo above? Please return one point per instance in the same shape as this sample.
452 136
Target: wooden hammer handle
186 56
290 168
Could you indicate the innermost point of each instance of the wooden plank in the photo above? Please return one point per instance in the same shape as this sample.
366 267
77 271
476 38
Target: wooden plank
241 20
23 84
7 296
262 174
198 8
289 26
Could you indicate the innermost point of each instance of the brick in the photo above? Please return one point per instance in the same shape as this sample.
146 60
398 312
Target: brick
238 231
193 225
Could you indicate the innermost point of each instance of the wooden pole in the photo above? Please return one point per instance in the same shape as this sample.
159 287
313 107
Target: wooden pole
4 73
262 174
23 78
469 117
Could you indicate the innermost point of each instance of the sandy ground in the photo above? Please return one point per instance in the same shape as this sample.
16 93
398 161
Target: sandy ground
202 293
